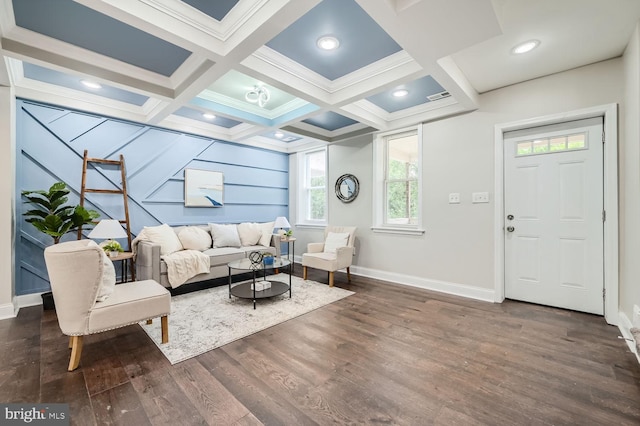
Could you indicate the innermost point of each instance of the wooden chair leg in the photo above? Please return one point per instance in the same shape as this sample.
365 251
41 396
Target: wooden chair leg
150 321
70 342
348 274
331 279
304 273
76 352
165 329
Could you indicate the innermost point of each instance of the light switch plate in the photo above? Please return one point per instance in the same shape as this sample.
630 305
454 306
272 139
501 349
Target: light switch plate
454 198
480 197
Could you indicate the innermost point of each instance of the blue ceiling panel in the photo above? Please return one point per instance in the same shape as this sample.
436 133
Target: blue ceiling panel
362 41
81 26
217 9
330 121
418 91
46 75
197 115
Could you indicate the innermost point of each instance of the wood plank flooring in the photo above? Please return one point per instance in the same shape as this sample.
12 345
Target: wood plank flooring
387 355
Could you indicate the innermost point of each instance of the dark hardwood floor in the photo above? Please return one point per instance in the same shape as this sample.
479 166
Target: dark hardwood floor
387 355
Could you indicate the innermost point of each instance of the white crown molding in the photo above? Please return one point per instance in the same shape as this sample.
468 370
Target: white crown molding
188 125
375 110
7 20
75 54
186 70
62 96
250 108
221 30
391 68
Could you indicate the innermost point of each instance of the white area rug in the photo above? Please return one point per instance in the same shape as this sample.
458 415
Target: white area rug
204 320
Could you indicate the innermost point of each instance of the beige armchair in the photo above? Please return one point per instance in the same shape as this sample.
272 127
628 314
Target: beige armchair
75 272
333 254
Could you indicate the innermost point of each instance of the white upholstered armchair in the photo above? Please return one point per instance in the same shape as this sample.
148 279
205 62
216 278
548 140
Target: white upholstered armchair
334 254
77 273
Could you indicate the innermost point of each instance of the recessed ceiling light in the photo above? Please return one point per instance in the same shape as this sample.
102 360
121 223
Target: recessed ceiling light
278 134
328 42
91 84
525 47
208 116
400 93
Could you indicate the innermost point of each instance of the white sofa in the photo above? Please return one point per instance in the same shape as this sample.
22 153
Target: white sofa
150 265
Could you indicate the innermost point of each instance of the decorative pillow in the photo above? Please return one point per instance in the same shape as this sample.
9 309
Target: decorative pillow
108 280
335 240
194 238
266 231
249 233
165 236
224 235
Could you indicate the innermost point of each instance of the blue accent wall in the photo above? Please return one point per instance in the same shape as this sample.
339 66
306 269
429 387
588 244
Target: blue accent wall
50 145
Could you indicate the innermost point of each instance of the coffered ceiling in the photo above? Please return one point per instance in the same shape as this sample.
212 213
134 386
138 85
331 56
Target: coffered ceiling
201 66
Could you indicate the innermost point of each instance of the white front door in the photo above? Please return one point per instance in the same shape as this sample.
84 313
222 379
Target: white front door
553 181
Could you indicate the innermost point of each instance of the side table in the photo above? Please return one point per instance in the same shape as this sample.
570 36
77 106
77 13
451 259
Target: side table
126 258
290 253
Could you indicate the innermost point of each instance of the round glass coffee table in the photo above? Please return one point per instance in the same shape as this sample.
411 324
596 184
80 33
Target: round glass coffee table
247 290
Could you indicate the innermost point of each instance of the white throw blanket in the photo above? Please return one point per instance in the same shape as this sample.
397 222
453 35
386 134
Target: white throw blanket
185 264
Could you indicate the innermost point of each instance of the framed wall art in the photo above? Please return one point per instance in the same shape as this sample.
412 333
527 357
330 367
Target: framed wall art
203 188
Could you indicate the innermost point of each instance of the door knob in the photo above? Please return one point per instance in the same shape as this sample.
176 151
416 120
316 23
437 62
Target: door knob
510 228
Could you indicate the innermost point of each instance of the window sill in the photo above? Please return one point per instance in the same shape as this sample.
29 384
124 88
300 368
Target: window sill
311 225
401 231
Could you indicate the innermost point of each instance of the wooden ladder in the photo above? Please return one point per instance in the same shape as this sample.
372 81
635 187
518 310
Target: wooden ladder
123 192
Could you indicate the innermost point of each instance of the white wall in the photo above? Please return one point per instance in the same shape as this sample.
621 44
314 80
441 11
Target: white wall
456 253
629 163
7 206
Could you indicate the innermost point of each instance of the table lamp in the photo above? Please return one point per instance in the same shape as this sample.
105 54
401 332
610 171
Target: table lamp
281 222
107 229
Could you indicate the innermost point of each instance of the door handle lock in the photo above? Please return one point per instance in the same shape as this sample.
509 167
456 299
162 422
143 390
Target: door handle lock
510 217
510 228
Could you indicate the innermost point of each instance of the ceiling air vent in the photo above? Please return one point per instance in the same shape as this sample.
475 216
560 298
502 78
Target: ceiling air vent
437 96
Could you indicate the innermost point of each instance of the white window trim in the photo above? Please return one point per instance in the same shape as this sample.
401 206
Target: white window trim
379 167
301 207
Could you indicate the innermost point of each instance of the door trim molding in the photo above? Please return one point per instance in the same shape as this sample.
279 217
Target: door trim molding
610 182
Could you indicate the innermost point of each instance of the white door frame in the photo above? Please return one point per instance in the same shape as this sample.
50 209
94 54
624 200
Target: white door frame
610 153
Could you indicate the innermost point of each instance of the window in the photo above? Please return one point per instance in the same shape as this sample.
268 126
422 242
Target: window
550 145
398 170
312 206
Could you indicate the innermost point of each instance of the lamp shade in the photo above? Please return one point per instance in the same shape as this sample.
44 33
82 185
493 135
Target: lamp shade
281 222
108 229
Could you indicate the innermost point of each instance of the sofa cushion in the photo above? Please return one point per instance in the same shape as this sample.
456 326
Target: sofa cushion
266 234
224 255
249 233
217 256
261 249
335 240
224 235
194 238
165 236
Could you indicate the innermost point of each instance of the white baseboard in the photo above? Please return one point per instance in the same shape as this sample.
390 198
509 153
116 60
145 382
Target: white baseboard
624 324
484 294
477 293
8 310
33 299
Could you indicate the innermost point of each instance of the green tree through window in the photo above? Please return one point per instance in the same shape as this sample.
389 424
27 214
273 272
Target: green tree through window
401 183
